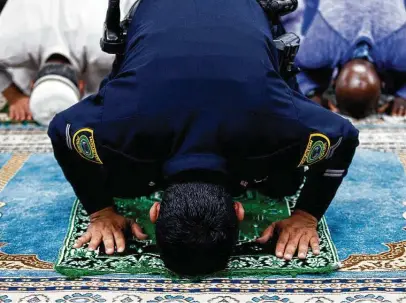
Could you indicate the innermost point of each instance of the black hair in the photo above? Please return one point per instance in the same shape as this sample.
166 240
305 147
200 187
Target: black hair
197 227
57 58
60 69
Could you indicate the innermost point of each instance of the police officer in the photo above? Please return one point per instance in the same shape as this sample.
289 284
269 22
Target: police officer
196 107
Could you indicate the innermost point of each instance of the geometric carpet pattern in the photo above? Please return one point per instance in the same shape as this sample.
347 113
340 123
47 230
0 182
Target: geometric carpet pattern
243 292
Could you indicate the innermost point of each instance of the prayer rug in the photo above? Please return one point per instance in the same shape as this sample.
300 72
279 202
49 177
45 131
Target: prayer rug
248 259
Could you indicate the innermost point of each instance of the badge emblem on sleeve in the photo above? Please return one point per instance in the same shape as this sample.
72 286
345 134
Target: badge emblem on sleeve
83 142
316 150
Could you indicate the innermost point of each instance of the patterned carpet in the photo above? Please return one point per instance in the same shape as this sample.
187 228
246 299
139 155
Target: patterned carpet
369 235
31 138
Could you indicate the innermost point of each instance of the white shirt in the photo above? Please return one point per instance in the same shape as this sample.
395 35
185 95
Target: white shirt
34 30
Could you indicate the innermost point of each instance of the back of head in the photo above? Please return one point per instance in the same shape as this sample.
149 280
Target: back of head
197 228
358 88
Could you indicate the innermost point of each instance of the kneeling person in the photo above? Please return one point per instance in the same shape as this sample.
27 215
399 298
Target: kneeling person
196 107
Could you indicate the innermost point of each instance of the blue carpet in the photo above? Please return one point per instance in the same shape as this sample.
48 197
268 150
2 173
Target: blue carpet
366 212
38 203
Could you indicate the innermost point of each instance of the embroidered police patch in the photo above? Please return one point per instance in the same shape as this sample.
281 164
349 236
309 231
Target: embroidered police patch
83 141
316 150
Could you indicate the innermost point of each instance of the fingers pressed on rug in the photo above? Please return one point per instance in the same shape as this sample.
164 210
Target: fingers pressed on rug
85 238
315 244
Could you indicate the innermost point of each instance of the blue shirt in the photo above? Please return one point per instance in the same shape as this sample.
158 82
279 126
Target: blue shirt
339 27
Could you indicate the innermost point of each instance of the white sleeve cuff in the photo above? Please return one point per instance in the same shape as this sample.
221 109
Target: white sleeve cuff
5 79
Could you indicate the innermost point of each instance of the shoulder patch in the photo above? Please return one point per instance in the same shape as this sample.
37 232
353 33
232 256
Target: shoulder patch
316 150
83 142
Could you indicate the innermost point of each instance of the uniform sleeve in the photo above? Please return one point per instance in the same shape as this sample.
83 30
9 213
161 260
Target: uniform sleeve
327 155
325 177
326 146
85 171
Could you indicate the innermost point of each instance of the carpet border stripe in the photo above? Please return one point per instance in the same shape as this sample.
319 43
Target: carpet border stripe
212 286
11 168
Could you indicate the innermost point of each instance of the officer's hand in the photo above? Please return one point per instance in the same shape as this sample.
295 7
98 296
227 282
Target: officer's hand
107 226
19 109
295 233
399 107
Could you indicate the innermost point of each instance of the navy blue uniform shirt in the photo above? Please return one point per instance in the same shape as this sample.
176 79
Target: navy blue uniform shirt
199 89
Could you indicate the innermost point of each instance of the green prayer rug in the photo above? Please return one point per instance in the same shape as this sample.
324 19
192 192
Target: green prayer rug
248 259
